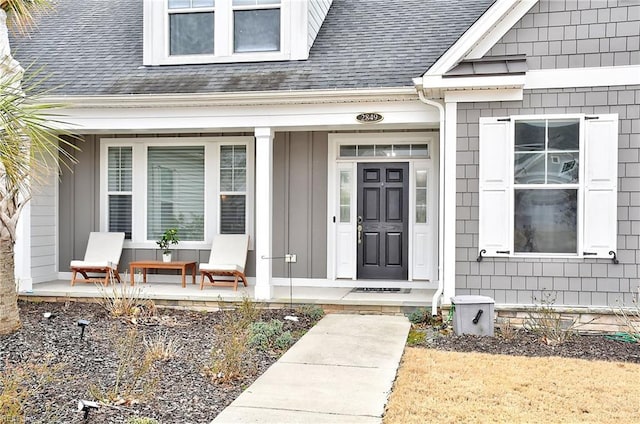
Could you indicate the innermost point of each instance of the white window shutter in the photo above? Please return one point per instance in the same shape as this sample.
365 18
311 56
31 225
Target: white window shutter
495 187
601 185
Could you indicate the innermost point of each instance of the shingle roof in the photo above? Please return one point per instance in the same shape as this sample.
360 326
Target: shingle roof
94 47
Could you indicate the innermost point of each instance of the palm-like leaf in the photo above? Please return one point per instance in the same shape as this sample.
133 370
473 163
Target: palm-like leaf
22 12
30 145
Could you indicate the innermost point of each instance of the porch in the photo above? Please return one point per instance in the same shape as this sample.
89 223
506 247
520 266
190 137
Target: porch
172 295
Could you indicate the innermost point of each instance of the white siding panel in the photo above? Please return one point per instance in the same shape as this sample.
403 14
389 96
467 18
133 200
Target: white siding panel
318 10
43 230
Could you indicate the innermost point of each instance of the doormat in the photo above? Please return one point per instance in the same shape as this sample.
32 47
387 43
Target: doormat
380 290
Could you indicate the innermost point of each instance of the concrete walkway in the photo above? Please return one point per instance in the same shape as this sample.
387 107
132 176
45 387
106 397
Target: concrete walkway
341 371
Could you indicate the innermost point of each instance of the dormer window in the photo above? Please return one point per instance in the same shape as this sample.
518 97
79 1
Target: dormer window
191 27
213 31
256 26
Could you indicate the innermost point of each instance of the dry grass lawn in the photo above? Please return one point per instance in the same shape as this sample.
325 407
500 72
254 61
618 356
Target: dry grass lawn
448 387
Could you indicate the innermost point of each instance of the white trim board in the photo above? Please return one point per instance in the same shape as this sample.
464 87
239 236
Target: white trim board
583 77
241 98
398 114
485 89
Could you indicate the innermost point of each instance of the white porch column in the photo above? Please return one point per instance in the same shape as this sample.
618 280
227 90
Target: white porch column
449 249
264 207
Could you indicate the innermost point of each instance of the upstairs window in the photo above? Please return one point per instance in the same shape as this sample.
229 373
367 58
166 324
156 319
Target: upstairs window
256 26
191 27
217 31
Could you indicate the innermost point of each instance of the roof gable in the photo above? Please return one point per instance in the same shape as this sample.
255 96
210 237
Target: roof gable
483 34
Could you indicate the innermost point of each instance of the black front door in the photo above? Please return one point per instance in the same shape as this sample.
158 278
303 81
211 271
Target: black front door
382 220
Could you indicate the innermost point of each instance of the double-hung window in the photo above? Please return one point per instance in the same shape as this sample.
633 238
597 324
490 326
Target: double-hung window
233 188
201 186
191 27
256 26
548 185
119 189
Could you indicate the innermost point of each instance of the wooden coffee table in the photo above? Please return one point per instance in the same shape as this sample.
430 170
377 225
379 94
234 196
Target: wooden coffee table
182 266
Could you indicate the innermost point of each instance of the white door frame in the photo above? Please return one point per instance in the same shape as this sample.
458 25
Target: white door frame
336 164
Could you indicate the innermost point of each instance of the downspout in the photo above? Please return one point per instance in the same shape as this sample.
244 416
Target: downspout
440 290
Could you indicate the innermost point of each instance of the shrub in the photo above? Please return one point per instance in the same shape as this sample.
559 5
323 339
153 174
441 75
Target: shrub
268 336
247 312
419 316
416 337
125 301
228 360
160 348
548 324
21 381
506 329
313 312
283 341
630 319
133 379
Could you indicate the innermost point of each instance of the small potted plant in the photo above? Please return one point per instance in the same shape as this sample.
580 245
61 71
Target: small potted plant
169 237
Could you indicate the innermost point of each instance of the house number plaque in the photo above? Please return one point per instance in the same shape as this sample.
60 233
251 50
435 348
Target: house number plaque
369 118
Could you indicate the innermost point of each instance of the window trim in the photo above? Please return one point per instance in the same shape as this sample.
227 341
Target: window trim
249 187
579 186
212 189
232 28
583 185
293 21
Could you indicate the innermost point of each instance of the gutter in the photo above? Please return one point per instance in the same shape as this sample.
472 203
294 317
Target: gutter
436 297
237 98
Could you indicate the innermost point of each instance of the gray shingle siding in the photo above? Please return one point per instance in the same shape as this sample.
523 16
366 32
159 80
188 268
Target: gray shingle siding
576 34
585 282
95 47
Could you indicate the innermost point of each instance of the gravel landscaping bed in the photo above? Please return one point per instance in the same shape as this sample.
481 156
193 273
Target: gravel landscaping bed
62 367
524 343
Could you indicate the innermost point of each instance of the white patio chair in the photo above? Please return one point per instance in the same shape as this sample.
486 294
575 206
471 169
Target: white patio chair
101 257
228 258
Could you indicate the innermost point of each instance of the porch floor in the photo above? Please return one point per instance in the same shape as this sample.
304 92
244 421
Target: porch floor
173 295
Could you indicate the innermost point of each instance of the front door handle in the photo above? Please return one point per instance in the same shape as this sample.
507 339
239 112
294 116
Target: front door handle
359 233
